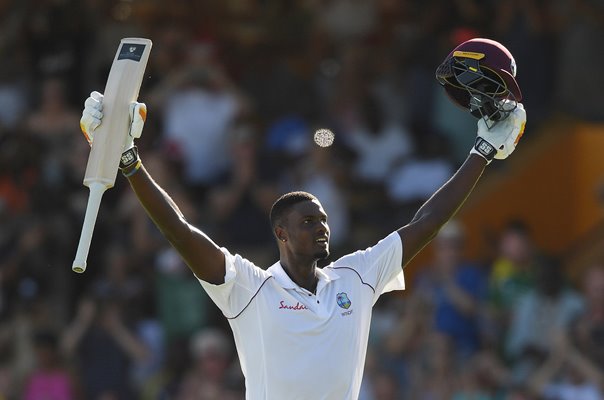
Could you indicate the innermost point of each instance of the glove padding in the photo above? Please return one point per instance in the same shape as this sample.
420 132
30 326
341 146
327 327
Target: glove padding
501 139
92 117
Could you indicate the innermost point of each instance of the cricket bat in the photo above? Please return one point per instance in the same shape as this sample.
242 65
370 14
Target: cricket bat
123 84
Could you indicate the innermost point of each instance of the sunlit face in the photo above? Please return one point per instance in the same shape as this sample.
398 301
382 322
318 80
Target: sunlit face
307 230
449 250
516 248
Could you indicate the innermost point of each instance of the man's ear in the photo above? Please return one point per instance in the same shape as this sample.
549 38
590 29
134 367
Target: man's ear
280 233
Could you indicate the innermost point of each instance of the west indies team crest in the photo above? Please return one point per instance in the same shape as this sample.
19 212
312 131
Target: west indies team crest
343 300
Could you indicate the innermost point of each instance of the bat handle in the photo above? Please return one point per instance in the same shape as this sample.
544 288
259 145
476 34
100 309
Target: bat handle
92 209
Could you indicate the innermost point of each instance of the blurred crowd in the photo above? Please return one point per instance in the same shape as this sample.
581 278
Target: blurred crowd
235 89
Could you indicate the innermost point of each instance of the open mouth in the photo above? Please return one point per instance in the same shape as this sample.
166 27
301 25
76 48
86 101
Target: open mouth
322 241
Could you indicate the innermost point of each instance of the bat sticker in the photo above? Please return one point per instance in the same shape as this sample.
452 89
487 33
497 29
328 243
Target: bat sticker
131 51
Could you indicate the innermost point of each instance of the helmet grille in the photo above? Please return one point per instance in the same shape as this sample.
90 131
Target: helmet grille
482 90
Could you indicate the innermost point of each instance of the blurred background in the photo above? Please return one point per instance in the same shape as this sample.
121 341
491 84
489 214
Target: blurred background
506 303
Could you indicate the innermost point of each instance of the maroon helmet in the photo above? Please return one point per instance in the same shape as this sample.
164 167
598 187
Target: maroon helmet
477 75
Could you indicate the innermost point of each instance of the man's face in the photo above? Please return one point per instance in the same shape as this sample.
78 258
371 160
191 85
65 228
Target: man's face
307 230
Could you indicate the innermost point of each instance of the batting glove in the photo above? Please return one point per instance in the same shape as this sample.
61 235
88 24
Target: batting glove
92 117
500 140
138 116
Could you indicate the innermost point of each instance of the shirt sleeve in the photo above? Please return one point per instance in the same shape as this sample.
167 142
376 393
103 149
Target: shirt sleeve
380 266
242 280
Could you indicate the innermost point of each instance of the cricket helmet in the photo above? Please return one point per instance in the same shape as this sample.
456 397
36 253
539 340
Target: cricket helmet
480 75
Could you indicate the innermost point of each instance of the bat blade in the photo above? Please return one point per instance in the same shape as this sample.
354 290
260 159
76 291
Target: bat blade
123 84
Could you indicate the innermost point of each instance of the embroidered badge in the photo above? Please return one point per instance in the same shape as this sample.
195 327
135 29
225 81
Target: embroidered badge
343 300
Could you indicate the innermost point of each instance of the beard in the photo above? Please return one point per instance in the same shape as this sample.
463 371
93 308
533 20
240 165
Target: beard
322 254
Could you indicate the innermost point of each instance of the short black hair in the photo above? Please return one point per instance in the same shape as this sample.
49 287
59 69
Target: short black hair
285 203
517 225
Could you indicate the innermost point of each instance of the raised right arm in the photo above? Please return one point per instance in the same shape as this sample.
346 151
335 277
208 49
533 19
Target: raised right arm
198 251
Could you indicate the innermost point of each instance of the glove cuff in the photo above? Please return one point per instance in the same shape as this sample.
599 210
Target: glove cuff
129 158
484 149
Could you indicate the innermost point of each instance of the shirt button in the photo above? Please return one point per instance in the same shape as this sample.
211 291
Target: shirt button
317 301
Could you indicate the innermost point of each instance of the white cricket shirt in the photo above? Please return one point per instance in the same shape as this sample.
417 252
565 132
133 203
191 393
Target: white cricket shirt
293 344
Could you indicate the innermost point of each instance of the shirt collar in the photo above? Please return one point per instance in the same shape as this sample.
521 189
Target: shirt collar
325 275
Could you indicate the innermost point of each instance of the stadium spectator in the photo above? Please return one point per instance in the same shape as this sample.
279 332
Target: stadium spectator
379 144
587 330
242 197
50 379
538 315
199 104
411 182
212 376
567 374
511 275
457 289
104 348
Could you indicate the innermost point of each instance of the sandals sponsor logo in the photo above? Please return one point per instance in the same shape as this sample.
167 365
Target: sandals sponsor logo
296 307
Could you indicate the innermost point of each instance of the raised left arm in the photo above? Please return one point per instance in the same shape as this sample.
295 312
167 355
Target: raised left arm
498 141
